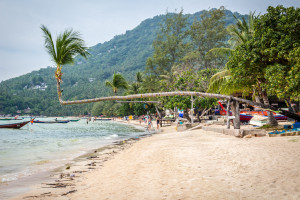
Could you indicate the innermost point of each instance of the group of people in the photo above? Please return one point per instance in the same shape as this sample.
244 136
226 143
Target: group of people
148 121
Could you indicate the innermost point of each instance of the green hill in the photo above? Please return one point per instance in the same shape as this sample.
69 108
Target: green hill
126 53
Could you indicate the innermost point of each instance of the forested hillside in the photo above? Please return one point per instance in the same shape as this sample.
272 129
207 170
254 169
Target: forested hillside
126 53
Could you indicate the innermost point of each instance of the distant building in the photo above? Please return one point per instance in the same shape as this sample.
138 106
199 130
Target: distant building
27 110
91 79
41 87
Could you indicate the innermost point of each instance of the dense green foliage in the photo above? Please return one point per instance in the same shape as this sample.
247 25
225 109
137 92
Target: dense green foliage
181 60
117 82
125 54
270 59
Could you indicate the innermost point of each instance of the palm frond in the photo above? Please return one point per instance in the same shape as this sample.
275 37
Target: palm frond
68 44
48 43
223 52
108 83
139 77
218 81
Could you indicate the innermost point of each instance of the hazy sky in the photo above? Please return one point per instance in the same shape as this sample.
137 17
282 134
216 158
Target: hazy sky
21 41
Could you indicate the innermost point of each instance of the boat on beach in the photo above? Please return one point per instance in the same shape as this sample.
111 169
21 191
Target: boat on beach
246 116
51 122
14 125
103 119
265 114
74 120
11 118
5 118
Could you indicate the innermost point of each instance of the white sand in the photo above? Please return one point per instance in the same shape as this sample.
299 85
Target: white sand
190 165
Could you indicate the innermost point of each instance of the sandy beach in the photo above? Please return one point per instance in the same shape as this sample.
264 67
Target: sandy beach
194 164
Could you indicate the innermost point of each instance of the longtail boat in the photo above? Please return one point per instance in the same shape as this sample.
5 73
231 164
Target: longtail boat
51 122
14 125
103 119
5 118
74 120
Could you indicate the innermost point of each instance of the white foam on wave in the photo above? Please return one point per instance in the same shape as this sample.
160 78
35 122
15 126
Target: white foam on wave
113 136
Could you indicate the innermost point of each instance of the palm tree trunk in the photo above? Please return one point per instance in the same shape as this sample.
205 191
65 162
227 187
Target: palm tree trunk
257 99
236 113
59 91
179 93
227 114
289 104
237 116
271 119
187 116
197 114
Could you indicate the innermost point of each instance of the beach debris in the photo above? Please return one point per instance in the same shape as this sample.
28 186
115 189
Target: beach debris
58 185
68 167
81 171
91 168
71 191
91 157
248 136
41 195
91 164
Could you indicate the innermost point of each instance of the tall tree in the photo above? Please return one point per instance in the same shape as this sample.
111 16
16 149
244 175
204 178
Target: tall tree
68 45
170 44
241 32
207 33
118 81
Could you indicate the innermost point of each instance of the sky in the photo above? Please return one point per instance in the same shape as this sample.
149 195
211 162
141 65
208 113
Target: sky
21 40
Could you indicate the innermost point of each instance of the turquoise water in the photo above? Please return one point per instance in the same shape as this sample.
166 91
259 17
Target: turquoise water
37 147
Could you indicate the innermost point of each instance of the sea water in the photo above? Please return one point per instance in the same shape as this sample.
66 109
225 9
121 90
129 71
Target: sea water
37 147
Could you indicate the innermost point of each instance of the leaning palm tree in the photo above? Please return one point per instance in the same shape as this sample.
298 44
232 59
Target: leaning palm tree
67 45
117 82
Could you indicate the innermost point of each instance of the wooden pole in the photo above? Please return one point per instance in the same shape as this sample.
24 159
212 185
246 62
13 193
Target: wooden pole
227 114
237 116
192 109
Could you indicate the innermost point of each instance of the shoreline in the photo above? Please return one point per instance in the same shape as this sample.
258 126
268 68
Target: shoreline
194 164
25 184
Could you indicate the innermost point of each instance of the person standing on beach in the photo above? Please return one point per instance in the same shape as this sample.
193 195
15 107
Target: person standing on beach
149 122
157 122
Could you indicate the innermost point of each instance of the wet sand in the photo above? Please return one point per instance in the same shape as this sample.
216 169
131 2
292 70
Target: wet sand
182 165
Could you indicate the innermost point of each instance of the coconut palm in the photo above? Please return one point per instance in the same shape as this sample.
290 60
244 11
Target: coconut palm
67 45
241 32
117 82
139 77
133 88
